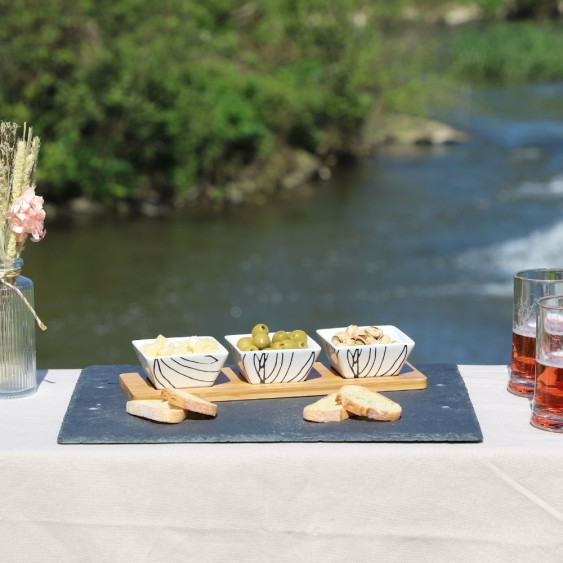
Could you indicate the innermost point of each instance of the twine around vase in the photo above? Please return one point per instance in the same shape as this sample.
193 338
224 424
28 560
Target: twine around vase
4 275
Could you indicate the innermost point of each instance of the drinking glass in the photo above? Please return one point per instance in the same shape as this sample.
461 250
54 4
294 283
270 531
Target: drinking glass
529 287
547 405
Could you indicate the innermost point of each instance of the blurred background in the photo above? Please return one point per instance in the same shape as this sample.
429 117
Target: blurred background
307 164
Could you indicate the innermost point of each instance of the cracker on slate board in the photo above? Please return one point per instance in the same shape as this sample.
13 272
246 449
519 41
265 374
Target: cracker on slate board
441 413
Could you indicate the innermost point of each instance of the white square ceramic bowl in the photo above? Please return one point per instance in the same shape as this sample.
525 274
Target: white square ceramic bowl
274 366
372 360
184 370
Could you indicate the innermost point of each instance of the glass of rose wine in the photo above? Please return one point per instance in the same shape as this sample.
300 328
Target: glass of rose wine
529 287
547 405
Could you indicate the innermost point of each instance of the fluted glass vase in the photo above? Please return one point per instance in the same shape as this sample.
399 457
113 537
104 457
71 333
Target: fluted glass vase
18 374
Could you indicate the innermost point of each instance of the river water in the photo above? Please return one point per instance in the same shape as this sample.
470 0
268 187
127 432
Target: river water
426 239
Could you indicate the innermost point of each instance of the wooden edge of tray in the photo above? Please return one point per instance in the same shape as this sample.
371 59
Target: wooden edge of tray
321 381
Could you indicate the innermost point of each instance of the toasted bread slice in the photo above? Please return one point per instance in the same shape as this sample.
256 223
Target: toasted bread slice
156 409
325 410
364 402
188 401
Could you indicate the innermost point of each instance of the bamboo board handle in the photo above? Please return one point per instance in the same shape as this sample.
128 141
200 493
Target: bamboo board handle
322 381
136 387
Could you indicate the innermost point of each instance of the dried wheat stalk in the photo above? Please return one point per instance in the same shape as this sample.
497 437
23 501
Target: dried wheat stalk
18 160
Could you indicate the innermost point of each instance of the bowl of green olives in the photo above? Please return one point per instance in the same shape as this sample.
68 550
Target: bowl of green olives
273 357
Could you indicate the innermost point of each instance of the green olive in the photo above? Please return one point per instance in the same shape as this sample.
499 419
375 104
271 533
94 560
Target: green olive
261 339
280 335
299 335
252 349
300 344
260 328
287 344
276 346
244 343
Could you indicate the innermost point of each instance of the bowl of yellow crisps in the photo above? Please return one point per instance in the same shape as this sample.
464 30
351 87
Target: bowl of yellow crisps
181 362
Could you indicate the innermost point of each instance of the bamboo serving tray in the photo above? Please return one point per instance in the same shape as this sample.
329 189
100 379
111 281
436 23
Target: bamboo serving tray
322 380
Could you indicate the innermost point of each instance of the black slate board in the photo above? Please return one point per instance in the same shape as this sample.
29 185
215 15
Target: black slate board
441 413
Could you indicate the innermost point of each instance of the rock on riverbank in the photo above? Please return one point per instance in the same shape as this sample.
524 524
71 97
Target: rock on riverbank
401 129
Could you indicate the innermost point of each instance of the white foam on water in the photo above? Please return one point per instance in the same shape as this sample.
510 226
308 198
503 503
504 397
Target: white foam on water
500 289
489 289
542 248
552 188
454 289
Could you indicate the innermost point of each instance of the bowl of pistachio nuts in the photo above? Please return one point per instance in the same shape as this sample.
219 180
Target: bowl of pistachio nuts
366 351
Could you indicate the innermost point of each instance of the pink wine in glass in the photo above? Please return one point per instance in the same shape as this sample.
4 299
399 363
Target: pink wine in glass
523 365
548 397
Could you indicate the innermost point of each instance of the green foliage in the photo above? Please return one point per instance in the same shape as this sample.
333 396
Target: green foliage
509 52
143 96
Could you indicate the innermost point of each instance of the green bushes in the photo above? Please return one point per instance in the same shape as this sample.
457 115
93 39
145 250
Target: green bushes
137 98
509 52
170 100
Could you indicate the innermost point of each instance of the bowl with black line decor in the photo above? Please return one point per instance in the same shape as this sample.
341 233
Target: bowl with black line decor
366 351
274 365
181 362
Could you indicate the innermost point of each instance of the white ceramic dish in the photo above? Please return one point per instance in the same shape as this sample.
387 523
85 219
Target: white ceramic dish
274 366
184 370
372 360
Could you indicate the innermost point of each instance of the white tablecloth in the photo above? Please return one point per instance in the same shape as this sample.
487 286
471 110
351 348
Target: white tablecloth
500 500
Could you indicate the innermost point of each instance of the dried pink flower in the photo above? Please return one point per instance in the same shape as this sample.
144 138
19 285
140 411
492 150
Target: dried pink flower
27 216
